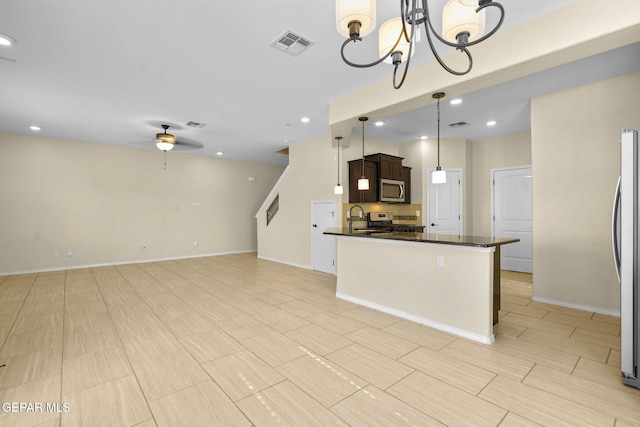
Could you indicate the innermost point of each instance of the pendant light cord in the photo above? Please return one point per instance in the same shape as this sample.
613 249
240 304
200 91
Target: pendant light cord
363 148
438 134
339 161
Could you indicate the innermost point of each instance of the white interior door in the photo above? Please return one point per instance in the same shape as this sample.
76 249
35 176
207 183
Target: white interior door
323 249
445 204
512 216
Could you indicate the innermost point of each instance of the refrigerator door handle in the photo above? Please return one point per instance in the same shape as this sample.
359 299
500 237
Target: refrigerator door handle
614 229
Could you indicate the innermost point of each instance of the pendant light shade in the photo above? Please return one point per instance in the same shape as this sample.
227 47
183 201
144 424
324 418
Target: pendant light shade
458 17
363 182
338 189
439 176
355 11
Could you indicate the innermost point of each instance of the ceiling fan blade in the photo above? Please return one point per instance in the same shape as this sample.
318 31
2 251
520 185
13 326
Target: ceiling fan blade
188 144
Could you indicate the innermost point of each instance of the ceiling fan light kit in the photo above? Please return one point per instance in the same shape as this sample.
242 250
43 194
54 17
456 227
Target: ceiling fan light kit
463 25
165 141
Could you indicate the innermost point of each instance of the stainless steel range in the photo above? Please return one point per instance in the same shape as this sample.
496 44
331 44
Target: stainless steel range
383 221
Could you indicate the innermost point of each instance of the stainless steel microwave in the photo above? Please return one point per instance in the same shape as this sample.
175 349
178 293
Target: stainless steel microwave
391 191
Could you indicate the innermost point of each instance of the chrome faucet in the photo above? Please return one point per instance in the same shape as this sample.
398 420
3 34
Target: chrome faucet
351 216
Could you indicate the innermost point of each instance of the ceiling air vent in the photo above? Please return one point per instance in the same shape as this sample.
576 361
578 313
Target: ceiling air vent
195 124
459 124
292 43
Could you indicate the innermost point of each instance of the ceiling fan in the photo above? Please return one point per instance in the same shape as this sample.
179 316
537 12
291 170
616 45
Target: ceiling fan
167 142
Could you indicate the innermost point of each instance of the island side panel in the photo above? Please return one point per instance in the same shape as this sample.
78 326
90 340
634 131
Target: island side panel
403 278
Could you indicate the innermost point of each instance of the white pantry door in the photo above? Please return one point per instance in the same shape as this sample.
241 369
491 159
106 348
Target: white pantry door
512 216
323 248
445 204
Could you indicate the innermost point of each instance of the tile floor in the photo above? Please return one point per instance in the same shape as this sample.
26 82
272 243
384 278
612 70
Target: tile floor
233 340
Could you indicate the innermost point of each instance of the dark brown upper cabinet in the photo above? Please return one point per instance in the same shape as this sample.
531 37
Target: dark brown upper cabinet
389 167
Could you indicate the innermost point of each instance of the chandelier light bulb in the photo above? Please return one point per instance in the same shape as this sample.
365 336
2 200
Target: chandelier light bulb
387 37
459 16
361 11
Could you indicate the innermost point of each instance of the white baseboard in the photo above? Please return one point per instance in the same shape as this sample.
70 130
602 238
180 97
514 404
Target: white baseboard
292 264
421 320
577 306
107 264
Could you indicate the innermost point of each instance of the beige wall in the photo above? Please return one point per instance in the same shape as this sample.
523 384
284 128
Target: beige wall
311 175
104 202
454 154
507 151
575 156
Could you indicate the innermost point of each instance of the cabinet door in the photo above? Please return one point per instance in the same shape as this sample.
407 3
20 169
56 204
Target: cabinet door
389 167
396 168
406 177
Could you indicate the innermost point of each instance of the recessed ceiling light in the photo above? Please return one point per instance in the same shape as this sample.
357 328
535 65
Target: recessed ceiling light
379 123
5 40
424 137
455 101
491 123
305 119
34 128
219 153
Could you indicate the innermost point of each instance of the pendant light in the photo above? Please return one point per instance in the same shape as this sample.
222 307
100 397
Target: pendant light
363 182
338 188
438 176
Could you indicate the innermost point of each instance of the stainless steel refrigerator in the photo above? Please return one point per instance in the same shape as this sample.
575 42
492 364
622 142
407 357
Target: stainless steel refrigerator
626 250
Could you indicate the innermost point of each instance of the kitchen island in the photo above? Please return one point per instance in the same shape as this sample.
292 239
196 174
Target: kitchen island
451 283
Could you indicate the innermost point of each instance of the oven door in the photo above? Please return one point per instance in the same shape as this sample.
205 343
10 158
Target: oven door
391 191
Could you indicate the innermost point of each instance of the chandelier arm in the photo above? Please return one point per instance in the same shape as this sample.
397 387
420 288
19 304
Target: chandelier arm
429 26
495 29
353 64
411 41
445 66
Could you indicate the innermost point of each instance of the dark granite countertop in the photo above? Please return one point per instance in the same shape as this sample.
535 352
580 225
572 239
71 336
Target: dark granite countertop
445 239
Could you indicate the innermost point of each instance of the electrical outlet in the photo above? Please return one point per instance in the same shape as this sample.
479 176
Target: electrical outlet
69 252
196 243
440 261
55 252
142 248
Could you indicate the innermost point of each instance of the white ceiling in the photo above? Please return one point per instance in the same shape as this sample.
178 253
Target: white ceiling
112 71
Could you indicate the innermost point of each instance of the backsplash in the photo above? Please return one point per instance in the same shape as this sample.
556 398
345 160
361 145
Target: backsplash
402 214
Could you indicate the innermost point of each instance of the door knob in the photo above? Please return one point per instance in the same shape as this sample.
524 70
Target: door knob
315 225
434 225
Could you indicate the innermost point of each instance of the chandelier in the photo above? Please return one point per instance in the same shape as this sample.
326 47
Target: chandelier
463 25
